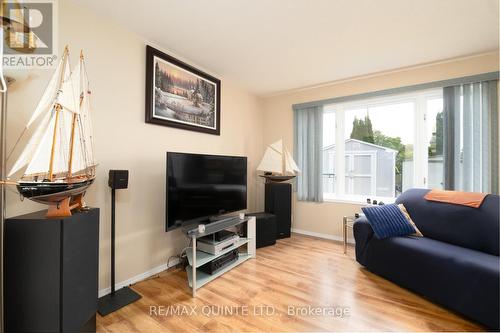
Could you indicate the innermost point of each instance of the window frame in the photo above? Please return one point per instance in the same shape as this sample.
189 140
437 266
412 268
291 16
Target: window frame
420 151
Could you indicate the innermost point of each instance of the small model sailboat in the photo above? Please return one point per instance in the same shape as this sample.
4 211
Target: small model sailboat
277 163
59 157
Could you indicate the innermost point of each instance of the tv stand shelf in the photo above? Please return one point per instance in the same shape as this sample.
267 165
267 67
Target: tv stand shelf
203 257
196 258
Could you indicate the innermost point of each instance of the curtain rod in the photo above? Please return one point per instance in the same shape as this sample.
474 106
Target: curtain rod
400 90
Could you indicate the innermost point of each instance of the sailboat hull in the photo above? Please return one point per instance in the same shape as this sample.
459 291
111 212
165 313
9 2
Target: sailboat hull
277 178
52 192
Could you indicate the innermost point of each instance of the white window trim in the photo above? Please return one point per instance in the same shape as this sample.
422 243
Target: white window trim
420 153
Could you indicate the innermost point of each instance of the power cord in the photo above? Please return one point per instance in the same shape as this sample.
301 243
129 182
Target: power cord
181 257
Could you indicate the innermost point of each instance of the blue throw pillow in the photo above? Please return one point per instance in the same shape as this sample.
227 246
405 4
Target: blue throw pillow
388 221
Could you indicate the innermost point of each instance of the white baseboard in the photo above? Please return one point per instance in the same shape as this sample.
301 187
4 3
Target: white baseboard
322 235
139 277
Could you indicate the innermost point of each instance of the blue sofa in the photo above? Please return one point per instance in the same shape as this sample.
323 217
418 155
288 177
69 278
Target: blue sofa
456 263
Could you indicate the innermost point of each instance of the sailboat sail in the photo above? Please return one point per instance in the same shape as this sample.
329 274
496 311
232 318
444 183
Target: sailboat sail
290 165
41 158
59 158
70 92
83 156
271 162
47 100
62 143
277 159
85 124
277 146
30 150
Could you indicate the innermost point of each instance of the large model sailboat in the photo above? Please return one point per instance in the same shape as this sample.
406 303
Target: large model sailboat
59 157
277 163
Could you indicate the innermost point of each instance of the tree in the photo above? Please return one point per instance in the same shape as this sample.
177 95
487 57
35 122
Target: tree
439 133
158 76
362 129
392 143
436 143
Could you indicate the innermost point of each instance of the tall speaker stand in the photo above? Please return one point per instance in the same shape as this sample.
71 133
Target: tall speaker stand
125 296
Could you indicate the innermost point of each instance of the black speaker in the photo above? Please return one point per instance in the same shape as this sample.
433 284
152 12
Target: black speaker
279 202
265 229
118 179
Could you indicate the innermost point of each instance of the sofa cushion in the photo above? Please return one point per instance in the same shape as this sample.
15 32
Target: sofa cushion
403 210
388 221
473 228
462 279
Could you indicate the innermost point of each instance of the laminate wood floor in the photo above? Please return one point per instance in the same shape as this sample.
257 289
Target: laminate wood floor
277 292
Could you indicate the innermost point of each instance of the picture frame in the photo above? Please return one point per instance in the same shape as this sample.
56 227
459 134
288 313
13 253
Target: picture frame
179 95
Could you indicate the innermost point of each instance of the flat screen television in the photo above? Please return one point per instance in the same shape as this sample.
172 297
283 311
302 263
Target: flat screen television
200 187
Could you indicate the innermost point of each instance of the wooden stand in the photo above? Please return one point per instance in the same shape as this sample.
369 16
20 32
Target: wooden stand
63 208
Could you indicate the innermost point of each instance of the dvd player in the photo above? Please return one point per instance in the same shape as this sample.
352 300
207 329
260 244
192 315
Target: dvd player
209 245
220 263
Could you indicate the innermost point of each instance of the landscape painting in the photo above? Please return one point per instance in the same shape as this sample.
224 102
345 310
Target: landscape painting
179 95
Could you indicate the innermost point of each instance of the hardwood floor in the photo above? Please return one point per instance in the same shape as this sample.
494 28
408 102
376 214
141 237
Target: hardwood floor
297 272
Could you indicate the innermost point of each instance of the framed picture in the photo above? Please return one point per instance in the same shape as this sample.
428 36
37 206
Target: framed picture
179 95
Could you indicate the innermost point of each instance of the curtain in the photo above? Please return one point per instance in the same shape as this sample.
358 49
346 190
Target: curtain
470 137
308 144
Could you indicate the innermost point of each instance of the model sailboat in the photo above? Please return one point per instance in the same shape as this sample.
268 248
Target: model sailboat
277 163
59 159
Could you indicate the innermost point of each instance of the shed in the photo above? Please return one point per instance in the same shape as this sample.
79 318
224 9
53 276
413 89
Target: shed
369 169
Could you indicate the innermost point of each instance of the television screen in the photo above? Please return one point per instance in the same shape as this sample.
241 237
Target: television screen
203 186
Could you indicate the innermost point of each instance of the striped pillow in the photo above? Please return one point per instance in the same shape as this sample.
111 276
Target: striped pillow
388 221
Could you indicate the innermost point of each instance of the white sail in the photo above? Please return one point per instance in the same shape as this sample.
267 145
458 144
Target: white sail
39 163
63 140
39 160
79 160
88 138
69 94
56 142
86 123
277 159
271 162
277 146
47 100
83 156
290 165
32 145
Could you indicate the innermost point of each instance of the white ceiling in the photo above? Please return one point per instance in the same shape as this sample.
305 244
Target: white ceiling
274 45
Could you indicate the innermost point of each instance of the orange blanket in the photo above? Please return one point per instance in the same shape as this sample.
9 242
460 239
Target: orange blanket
470 199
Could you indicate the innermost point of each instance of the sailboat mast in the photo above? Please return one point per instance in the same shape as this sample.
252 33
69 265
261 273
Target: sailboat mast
58 110
73 123
71 144
51 163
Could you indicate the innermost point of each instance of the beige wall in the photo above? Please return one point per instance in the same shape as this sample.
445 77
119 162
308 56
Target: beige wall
326 217
116 67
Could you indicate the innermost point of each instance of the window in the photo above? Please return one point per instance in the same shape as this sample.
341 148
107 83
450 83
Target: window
378 148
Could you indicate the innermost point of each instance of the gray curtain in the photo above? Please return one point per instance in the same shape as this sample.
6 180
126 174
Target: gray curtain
470 137
308 144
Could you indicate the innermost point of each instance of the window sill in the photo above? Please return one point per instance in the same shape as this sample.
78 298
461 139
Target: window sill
355 200
346 201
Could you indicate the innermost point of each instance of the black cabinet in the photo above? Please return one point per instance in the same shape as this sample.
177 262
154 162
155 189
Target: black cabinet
51 272
279 202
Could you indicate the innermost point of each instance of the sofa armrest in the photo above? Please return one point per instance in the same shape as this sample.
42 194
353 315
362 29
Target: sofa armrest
363 233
